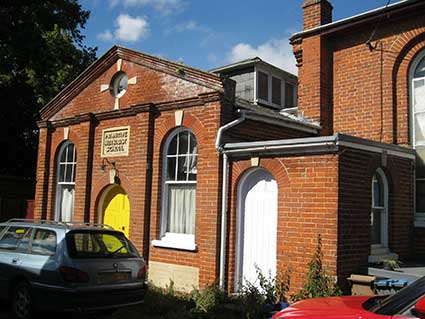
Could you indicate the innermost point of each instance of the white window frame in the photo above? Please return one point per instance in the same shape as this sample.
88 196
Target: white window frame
168 239
59 184
419 216
269 101
383 209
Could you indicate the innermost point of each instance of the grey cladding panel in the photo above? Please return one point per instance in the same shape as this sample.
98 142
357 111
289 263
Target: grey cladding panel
244 83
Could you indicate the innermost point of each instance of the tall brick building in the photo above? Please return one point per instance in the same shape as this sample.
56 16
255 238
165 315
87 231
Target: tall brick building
207 184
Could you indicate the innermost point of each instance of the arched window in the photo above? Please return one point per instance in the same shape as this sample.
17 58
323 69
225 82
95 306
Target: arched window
179 190
380 249
65 181
417 75
379 215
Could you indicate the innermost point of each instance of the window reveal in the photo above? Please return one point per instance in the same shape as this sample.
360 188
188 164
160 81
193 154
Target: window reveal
65 184
180 183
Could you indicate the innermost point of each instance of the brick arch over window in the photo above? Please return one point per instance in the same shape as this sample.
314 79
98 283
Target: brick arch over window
403 53
165 128
399 232
57 140
65 171
238 170
190 121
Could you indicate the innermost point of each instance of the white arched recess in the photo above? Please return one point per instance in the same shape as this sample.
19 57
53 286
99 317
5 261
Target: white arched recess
417 131
256 226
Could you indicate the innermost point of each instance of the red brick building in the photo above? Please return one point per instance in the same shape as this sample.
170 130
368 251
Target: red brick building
207 184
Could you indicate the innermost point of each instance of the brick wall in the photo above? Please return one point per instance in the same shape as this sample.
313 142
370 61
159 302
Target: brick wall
139 173
356 169
371 88
204 122
354 90
307 206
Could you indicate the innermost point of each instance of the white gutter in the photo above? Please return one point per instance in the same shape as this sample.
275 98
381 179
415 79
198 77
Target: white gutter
225 127
223 232
310 146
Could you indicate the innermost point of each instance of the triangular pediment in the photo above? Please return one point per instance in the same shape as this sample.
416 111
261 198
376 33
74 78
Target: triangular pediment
117 55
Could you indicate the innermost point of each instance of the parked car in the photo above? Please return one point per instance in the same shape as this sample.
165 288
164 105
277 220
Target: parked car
56 266
409 302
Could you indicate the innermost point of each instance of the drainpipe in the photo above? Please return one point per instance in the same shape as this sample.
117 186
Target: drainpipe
224 197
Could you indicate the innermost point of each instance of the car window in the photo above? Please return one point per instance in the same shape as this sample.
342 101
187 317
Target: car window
44 242
16 238
394 304
99 244
1 230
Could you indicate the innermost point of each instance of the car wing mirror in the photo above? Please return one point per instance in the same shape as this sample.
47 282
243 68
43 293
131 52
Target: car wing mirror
419 309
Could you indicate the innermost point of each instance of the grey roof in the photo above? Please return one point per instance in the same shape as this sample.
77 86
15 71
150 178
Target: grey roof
247 63
283 116
319 144
356 18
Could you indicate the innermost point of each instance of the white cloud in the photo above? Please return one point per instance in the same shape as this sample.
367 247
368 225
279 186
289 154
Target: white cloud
128 29
131 29
165 7
105 36
276 51
188 26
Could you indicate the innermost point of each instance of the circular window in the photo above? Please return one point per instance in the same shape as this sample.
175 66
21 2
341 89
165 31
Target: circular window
119 84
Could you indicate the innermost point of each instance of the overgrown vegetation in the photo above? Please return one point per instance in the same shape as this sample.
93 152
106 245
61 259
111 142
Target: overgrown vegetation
318 282
255 300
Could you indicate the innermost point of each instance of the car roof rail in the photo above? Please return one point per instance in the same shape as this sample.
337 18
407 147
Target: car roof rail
59 223
99 225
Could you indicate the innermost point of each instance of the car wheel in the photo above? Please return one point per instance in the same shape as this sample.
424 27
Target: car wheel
22 301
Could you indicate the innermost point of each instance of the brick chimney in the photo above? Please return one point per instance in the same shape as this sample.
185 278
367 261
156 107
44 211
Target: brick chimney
316 13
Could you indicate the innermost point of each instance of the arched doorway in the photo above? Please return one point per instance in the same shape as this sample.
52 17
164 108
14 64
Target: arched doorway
114 208
256 226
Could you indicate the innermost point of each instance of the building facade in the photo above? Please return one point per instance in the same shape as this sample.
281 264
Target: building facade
213 174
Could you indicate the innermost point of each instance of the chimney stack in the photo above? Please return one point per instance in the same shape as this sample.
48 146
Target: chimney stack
316 13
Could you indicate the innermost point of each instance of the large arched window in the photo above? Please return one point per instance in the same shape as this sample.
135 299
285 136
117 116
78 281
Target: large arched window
179 190
417 75
65 181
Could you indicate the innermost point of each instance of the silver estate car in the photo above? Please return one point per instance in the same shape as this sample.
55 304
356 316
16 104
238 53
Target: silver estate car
54 266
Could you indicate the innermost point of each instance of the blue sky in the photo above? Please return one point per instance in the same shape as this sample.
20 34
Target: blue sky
206 33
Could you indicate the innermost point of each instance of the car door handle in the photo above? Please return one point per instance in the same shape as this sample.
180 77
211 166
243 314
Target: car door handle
15 260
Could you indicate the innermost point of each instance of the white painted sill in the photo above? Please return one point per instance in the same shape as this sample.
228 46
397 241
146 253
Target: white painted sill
176 241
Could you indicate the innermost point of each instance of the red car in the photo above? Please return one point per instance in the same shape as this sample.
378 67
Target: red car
407 303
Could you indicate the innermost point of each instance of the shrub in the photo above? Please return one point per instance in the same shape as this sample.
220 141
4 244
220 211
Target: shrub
208 299
252 300
318 283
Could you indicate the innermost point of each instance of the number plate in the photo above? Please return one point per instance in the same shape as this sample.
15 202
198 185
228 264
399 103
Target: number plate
112 277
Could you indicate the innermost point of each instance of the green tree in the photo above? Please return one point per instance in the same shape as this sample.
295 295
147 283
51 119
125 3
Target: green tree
41 51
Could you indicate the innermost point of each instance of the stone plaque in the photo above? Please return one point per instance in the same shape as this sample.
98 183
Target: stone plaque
115 141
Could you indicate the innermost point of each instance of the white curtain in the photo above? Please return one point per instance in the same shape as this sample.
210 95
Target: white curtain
67 203
181 209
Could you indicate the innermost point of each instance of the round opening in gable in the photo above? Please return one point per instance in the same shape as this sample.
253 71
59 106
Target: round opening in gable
119 84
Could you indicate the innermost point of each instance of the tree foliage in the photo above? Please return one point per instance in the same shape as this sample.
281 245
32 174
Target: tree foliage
41 51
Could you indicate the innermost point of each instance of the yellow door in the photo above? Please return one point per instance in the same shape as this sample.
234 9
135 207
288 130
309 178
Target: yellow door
116 207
